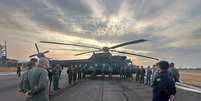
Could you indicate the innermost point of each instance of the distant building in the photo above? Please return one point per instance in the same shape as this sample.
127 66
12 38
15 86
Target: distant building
3 54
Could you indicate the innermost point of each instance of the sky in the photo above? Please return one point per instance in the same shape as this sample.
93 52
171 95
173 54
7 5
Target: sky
173 27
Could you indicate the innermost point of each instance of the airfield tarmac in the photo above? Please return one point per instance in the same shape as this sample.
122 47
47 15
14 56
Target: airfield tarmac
93 90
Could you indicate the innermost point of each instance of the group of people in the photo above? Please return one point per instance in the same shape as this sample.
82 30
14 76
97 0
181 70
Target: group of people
34 81
127 73
76 72
146 76
54 75
162 77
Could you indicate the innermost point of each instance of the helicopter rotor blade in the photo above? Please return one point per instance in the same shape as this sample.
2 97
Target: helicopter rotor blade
33 55
128 43
70 44
123 52
46 52
86 52
37 47
68 49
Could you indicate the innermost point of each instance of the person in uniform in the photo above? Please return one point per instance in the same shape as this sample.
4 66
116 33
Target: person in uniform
137 70
70 75
148 76
153 73
38 80
142 74
56 73
75 73
121 72
110 72
124 72
84 71
164 85
174 72
93 75
60 70
79 71
19 70
50 74
24 86
103 70
131 72
127 72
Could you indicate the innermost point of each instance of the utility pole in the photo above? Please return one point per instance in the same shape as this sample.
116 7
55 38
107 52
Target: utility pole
5 50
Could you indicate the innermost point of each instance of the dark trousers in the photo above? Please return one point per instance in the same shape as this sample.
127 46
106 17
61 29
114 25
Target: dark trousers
137 77
79 76
70 78
148 80
142 79
56 83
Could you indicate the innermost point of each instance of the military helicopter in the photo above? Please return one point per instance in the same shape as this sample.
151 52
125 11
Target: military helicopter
102 58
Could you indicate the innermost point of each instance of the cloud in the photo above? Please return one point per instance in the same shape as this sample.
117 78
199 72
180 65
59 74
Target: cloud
172 26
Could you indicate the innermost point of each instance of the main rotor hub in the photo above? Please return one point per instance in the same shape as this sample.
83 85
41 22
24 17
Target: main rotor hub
106 49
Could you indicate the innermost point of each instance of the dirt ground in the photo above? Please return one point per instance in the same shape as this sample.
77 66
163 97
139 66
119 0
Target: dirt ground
7 69
192 77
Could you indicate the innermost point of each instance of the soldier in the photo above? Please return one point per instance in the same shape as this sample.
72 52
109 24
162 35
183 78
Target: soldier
24 82
75 73
110 72
56 73
60 70
38 80
142 74
148 76
137 73
93 76
19 70
121 72
130 72
104 70
174 72
70 75
124 73
84 71
164 86
50 78
79 70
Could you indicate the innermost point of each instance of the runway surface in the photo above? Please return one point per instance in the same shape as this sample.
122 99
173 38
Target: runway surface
93 90
107 90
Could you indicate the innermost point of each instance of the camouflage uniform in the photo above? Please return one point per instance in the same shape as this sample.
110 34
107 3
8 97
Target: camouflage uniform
174 72
38 80
142 74
79 70
137 73
56 73
148 76
50 74
19 71
103 70
110 72
70 75
75 74
60 70
24 82
121 73
84 72
93 75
